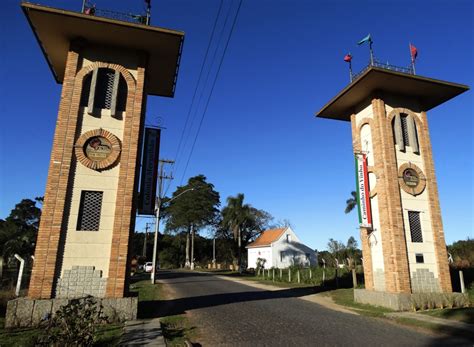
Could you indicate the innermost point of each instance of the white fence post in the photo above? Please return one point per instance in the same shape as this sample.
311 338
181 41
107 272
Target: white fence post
20 274
461 279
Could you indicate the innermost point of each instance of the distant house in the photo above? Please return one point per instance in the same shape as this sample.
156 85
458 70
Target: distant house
280 248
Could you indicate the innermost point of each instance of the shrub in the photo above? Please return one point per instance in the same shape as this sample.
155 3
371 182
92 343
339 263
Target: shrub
74 324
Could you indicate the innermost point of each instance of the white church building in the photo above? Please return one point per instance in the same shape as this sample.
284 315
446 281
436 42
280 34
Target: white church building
280 248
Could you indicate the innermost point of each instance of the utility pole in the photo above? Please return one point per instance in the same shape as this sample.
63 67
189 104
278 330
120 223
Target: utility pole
161 177
192 247
214 253
147 225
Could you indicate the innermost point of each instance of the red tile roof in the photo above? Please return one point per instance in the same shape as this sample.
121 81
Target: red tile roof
267 237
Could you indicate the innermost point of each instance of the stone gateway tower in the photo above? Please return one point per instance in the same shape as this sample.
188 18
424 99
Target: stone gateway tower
107 68
402 236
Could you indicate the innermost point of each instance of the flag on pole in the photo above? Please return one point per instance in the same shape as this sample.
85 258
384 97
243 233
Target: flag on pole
365 39
348 58
363 193
413 52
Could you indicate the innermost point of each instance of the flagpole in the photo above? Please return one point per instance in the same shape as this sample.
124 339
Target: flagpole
412 60
350 71
371 53
148 12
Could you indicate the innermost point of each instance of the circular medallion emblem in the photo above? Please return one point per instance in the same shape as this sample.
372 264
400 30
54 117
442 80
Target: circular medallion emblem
98 149
411 179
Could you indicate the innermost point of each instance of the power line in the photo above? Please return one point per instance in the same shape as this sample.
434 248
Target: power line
196 88
213 60
212 89
199 78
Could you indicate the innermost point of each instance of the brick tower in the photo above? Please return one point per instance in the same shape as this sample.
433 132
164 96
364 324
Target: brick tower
107 68
402 236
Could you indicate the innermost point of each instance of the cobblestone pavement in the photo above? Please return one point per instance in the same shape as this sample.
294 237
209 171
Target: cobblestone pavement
228 313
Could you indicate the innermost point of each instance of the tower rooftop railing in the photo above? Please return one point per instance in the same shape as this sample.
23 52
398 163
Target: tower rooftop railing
126 17
408 70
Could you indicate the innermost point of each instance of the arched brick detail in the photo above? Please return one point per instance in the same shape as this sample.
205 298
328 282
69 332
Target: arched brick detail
365 121
397 111
373 191
131 83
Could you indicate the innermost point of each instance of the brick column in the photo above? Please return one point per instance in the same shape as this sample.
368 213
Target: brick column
124 221
397 276
435 210
52 218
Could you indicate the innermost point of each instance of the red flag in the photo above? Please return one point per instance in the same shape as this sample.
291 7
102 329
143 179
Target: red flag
348 58
413 52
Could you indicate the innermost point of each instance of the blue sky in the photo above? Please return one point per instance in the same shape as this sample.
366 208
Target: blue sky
259 136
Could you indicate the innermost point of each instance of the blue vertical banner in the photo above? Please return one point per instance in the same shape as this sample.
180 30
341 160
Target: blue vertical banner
149 175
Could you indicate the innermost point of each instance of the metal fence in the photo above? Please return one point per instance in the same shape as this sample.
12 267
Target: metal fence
387 66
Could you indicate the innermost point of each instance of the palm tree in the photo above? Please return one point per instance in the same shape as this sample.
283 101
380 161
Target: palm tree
351 203
235 216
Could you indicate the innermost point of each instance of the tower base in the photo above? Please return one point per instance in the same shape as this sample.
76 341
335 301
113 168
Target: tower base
410 302
26 312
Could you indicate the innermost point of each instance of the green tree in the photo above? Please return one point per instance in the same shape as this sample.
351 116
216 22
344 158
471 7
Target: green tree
462 253
351 203
352 252
343 252
192 208
243 221
19 230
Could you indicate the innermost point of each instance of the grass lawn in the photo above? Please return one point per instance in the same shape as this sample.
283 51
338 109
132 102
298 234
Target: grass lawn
260 279
146 290
106 335
177 330
17 337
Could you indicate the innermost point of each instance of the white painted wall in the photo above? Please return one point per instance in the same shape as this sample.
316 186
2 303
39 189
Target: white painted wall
282 254
259 252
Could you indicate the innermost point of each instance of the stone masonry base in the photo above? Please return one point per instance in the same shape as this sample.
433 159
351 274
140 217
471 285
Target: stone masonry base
403 301
25 312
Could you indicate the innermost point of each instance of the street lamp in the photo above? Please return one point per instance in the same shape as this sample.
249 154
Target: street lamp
157 224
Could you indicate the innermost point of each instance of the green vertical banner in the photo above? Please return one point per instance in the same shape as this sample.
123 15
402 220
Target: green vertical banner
363 194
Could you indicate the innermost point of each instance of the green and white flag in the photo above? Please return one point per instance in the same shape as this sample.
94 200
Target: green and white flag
363 194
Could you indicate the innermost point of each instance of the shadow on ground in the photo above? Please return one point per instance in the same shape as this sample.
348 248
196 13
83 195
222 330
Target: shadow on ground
164 308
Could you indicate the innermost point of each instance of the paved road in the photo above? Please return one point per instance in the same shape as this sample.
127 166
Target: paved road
233 314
